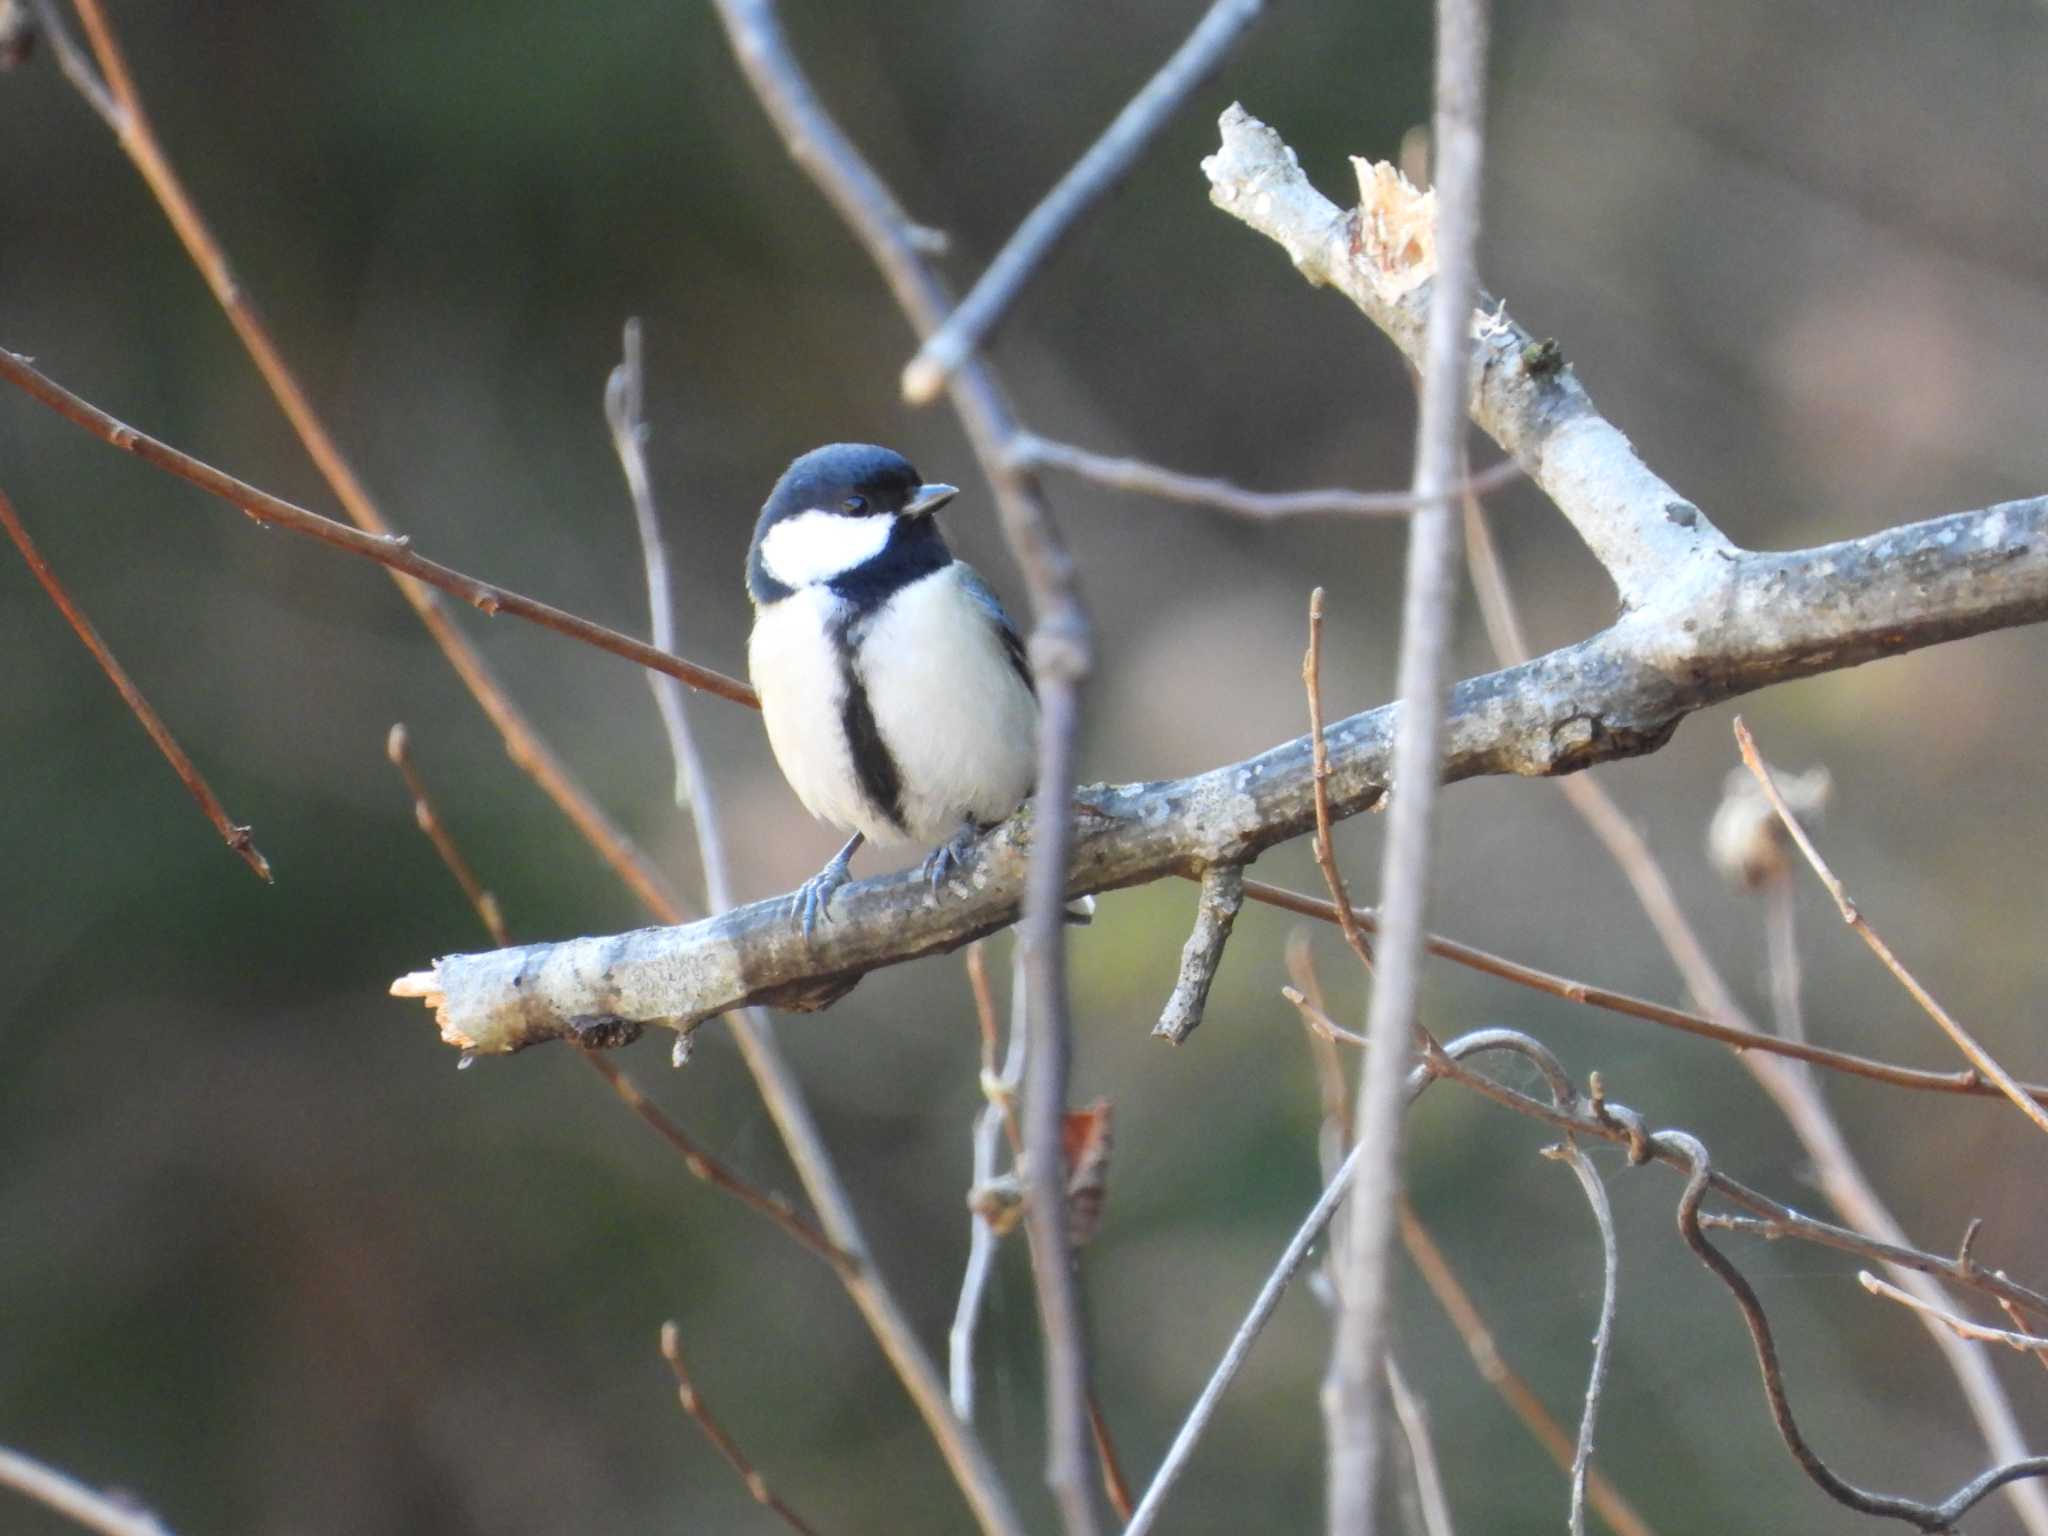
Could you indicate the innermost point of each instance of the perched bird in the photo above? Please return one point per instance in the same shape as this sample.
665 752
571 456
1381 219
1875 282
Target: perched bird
896 691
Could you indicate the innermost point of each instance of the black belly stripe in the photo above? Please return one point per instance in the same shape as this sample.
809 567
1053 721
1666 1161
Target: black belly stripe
873 763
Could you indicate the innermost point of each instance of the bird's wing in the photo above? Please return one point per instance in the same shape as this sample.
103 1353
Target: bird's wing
991 606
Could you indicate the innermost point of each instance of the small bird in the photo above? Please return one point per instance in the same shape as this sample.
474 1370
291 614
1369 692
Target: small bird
898 698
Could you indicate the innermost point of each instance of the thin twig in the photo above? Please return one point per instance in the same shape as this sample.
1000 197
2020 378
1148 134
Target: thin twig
1781 947
1487 963
398 748
699 1162
1927 1517
392 551
236 837
1141 478
119 105
96 1511
1433 1506
997 1114
1351 1393
1974 1053
625 413
2027 1343
1520 1398
721 1440
1107 161
1603 1335
1325 850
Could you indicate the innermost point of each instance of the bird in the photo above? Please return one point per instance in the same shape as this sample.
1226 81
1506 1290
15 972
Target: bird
897 693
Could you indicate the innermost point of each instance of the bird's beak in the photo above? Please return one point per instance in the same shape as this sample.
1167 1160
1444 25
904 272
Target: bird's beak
929 499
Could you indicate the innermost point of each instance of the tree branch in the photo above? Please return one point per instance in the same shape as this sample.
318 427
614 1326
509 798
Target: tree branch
1619 694
1382 257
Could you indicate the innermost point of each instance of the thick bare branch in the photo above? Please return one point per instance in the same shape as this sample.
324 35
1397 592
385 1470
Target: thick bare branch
1619 694
1522 394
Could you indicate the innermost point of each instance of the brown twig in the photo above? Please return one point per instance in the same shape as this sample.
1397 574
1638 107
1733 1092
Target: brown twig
1326 855
1141 478
398 748
700 1163
722 1441
392 551
236 837
1115 1487
119 104
1521 1399
2026 1343
1585 993
1974 1053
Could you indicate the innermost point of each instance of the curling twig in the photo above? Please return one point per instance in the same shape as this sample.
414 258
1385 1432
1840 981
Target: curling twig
721 1440
1965 1042
1603 1334
119 104
236 837
1141 478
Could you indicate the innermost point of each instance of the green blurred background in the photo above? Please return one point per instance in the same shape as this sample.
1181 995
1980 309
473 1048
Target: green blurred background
267 1260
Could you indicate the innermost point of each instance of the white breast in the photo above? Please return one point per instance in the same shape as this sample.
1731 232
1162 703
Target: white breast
794 662
959 721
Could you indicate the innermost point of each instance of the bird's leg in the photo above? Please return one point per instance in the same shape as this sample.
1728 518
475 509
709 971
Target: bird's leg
948 854
815 894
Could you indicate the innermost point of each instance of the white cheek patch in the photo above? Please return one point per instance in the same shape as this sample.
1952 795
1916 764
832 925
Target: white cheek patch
817 546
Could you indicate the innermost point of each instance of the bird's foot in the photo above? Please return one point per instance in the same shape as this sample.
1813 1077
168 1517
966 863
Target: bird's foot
948 856
814 897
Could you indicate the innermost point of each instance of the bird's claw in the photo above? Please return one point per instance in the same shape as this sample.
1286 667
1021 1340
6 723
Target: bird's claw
948 856
814 897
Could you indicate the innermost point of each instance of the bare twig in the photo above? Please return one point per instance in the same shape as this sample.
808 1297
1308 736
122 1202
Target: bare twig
2027 1343
96 1511
236 837
1350 1396
1522 1401
1215 912
389 550
1434 1507
721 1440
1586 994
398 748
1603 1335
1974 1053
1325 850
119 105
624 413
1927 1517
1107 161
1319 1023
1000 1089
1145 479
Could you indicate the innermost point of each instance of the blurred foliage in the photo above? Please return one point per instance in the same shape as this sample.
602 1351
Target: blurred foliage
268 1261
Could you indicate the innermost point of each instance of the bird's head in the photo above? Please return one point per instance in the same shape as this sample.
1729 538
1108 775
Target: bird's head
840 509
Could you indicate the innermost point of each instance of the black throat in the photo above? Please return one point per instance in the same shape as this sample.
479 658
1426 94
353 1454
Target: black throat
915 549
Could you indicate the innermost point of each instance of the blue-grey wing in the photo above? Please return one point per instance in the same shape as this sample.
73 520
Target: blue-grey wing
992 607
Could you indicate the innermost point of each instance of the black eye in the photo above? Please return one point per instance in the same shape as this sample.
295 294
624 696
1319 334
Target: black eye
854 505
